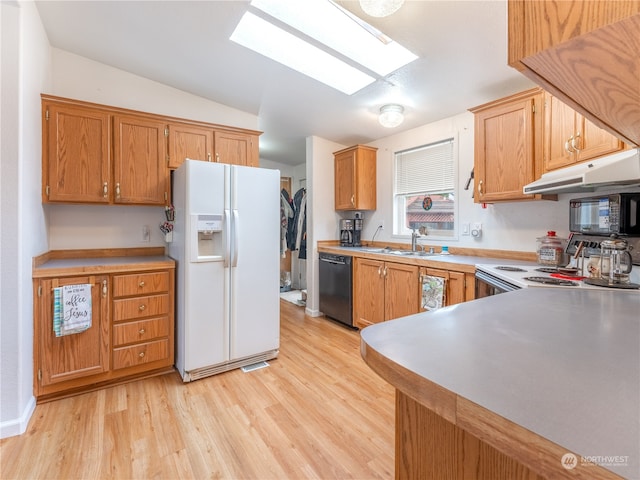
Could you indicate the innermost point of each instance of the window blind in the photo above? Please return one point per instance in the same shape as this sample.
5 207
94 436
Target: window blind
425 169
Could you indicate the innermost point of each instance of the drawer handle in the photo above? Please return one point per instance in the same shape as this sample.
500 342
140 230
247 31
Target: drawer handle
141 284
141 331
141 354
117 190
141 307
105 189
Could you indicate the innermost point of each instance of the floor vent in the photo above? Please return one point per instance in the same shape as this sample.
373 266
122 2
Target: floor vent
254 366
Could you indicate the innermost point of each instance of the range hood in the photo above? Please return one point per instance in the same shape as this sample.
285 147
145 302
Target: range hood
619 169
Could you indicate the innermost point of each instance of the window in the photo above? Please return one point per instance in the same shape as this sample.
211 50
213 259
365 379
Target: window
424 190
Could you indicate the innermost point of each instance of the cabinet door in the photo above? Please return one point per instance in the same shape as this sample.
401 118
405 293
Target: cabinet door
236 148
76 156
507 147
456 287
189 141
77 356
560 134
140 173
369 288
596 142
402 290
345 180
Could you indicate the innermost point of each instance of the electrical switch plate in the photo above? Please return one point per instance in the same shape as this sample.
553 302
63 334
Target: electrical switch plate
146 234
466 229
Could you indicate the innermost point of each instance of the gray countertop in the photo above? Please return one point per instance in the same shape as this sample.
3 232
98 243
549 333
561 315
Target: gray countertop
564 364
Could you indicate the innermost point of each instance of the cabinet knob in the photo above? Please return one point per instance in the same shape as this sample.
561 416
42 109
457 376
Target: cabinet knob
217 157
105 189
568 145
141 284
141 307
209 157
353 200
117 190
104 288
573 142
480 186
380 270
141 354
141 331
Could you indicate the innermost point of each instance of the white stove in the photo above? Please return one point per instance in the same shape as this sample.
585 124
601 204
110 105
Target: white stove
507 277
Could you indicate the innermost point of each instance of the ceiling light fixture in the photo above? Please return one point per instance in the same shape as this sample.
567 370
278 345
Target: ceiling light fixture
380 8
391 115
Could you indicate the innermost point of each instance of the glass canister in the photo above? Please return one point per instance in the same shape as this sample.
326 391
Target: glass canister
616 260
550 250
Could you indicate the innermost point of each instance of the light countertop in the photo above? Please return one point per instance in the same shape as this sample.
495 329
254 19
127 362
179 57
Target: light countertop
563 364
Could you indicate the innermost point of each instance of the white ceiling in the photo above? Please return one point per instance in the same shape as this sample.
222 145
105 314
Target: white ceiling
462 47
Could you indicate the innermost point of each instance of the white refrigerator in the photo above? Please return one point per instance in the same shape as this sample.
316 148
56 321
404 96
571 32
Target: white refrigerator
226 245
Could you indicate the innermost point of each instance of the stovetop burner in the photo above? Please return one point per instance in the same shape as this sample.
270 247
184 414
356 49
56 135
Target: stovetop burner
547 270
552 281
510 269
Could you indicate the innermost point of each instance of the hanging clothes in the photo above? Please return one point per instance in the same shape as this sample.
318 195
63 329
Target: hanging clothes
286 217
299 236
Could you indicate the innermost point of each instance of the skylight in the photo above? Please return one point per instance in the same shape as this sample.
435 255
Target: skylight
331 25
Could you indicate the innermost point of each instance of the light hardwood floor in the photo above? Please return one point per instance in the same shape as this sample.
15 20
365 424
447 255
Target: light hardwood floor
317 412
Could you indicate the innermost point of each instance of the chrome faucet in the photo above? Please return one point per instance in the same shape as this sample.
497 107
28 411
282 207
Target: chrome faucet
414 240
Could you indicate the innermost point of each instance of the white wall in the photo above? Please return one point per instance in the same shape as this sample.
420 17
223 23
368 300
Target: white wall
25 66
94 226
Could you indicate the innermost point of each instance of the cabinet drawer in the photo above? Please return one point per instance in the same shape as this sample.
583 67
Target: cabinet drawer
141 353
139 307
140 331
140 284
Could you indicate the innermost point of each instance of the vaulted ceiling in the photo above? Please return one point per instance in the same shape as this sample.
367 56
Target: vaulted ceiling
462 49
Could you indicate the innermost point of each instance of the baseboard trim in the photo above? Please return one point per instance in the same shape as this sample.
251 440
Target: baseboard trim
18 426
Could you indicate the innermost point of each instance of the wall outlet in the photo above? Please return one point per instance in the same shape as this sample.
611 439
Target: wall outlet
381 225
145 234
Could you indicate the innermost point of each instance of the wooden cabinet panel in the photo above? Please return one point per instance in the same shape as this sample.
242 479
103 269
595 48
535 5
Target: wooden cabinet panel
402 290
140 331
355 178
138 307
456 287
189 141
76 154
383 291
508 147
570 138
236 148
140 354
78 357
140 174
584 53
369 288
140 284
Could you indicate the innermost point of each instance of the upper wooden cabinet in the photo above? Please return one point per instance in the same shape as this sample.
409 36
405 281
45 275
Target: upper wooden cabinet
76 153
508 147
140 175
101 154
586 54
236 148
189 141
570 138
212 145
355 178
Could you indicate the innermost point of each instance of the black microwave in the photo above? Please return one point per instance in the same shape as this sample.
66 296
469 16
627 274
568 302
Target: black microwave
606 214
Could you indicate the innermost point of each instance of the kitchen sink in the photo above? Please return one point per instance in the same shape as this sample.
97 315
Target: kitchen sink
374 250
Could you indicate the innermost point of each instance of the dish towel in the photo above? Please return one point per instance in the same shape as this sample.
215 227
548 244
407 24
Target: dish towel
71 309
432 292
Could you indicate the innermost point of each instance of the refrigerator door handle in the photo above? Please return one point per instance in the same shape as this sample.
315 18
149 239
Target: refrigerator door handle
227 237
234 252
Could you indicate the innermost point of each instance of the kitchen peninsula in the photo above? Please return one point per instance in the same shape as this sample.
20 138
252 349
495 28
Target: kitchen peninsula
537 383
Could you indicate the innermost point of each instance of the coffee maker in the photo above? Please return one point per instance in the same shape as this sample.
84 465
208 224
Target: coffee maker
357 229
346 232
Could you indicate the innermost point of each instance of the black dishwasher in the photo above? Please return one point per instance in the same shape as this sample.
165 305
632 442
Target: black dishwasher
336 299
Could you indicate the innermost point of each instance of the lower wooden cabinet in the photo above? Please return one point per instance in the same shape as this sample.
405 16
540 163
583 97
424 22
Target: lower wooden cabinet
131 333
383 291
458 286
